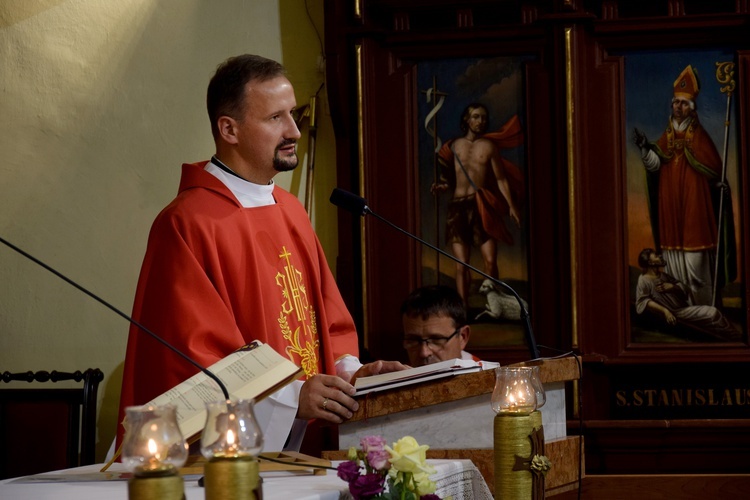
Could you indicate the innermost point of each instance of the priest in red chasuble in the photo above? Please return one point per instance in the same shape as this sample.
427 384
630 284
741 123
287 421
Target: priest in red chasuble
234 258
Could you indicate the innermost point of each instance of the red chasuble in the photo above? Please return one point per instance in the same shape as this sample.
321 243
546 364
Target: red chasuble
217 276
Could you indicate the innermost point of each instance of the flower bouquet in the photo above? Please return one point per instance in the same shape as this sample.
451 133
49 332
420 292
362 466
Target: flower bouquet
377 471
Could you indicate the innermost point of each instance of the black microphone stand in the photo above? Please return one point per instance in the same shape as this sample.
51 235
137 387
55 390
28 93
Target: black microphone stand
533 349
120 313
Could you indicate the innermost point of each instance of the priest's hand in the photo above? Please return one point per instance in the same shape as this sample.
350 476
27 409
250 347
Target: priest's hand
377 368
326 397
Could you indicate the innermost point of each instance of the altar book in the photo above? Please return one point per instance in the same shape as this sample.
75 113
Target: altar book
391 380
254 372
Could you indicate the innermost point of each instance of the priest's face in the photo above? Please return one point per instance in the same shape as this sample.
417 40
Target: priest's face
433 339
266 132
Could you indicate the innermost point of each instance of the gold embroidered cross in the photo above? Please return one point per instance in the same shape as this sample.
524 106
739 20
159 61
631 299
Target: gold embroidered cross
292 288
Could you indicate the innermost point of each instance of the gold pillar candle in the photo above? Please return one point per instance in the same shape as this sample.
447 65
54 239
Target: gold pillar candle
230 441
168 487
234 478
519 437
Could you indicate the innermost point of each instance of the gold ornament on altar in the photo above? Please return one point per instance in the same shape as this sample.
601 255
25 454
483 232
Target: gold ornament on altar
540 464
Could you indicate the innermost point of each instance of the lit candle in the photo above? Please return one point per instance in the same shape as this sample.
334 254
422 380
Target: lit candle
154 449
153 442
514 391
230 442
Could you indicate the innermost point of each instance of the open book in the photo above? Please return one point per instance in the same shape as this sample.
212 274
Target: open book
390 380
252 373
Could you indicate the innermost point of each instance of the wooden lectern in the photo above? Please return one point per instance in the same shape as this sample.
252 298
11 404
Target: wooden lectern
454 417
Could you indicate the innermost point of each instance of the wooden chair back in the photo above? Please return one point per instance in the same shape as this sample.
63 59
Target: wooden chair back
43 428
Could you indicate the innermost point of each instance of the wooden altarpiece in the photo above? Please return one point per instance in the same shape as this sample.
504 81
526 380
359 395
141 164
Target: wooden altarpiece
649 405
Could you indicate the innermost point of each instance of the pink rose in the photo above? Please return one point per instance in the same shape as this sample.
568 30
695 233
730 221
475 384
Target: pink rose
372 443
378 459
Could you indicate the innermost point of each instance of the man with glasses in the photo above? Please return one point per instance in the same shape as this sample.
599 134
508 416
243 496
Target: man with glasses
435 327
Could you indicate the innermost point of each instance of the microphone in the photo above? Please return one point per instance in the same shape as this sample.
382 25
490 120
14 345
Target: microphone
350 202
358 206
113 308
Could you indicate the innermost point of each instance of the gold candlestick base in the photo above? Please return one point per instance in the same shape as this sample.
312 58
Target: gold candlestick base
518 439
232 479
156 488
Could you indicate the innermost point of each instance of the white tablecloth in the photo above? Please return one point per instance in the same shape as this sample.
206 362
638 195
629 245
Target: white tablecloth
459 478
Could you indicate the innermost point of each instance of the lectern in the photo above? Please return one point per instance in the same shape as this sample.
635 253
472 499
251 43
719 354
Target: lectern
454 417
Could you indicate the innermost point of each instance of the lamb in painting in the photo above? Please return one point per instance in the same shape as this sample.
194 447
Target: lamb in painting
499 304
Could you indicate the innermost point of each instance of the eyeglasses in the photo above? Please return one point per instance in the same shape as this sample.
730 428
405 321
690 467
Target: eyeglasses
433 343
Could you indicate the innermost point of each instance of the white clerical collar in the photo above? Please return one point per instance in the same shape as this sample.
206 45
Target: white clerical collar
248 194
681 127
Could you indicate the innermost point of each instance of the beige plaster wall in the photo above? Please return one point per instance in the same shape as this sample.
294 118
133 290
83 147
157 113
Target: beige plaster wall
100 103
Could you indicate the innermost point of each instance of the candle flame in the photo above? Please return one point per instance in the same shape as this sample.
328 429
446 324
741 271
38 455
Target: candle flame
152 448
154 453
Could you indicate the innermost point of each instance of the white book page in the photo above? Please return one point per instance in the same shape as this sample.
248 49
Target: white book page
246 375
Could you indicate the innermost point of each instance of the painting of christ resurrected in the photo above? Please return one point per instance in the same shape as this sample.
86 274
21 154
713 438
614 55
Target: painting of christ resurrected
472 188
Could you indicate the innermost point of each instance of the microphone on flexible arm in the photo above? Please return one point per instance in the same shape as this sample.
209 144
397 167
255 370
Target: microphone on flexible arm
113 308
358 206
